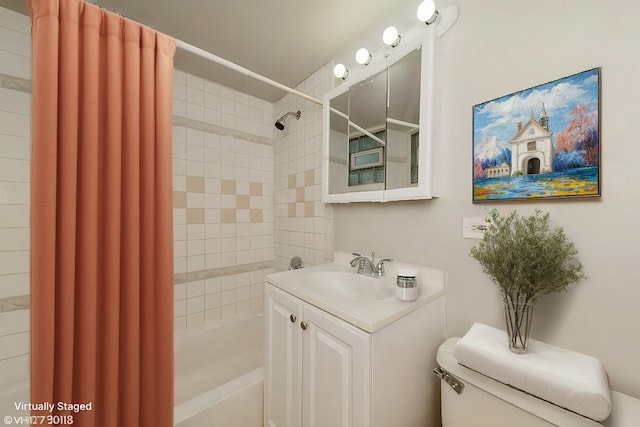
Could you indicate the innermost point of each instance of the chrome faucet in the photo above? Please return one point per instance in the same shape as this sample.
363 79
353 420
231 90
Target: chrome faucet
367 266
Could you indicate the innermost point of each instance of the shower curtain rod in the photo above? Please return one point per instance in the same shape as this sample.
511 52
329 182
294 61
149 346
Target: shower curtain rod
233 66
226 63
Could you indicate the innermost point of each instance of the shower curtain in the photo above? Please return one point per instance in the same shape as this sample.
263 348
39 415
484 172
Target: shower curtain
101 218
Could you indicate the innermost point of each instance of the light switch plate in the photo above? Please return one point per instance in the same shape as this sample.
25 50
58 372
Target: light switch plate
474 228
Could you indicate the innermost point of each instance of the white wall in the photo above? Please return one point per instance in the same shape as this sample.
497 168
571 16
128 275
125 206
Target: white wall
498 47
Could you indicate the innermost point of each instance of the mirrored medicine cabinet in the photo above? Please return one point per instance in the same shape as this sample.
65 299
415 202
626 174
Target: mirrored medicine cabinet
377 134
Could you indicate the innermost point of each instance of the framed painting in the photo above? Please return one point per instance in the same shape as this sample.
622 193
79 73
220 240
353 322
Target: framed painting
539 143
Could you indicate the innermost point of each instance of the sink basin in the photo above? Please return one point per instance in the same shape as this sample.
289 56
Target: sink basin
368 303
348 286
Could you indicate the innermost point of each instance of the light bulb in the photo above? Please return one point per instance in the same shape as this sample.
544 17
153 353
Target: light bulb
340 71
363 56
391 37
427 12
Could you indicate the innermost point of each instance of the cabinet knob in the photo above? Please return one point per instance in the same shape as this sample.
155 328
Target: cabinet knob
292 318
303 325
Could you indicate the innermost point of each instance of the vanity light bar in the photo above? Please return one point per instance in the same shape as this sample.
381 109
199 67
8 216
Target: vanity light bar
427 13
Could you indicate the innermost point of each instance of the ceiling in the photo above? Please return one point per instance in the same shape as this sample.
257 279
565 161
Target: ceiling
284 40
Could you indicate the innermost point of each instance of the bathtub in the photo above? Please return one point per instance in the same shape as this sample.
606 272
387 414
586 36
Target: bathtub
219 375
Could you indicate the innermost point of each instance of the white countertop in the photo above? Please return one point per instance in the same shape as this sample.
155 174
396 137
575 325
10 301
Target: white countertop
366 315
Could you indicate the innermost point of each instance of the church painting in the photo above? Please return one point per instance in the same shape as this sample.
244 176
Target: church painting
539 143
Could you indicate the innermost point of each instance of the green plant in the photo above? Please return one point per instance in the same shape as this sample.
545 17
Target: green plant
525 258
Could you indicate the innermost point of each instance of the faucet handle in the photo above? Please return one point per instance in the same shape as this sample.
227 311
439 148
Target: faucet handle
380 266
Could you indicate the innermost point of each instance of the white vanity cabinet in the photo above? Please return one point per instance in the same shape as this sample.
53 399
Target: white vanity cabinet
321 371
317 367
283 364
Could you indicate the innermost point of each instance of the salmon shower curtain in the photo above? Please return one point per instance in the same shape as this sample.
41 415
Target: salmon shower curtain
101 217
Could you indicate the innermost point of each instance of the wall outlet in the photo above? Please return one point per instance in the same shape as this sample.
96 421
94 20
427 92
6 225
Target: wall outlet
474 228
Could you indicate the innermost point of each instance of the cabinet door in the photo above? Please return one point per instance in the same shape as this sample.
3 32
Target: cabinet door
335 373
283 354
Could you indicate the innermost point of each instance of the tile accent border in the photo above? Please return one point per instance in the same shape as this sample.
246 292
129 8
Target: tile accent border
219 130
220 272
20 302
15 83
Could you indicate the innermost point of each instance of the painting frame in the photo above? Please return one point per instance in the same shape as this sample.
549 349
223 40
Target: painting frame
539 143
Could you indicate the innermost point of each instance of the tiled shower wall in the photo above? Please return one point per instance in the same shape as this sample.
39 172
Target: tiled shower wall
223 201
303 224
15 155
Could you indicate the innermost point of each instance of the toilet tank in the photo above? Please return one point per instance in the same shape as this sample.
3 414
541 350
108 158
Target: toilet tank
485 402
476 408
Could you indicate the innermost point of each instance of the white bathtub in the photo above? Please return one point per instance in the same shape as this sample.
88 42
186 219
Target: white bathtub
219 375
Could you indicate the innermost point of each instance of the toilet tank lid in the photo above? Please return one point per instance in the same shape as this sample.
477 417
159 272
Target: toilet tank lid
625 412
566 378
538 407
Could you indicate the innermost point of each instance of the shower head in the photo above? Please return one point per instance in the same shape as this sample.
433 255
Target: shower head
280 122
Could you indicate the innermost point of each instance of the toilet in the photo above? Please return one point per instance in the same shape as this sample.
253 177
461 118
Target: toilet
471 399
